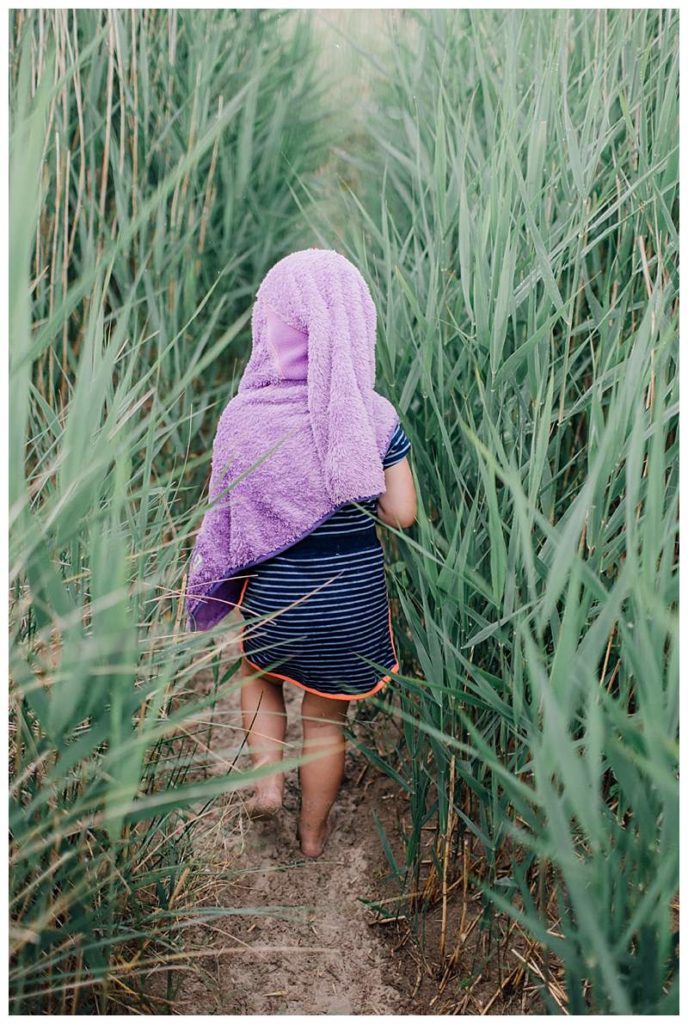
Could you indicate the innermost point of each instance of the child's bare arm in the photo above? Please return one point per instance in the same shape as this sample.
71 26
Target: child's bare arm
397 506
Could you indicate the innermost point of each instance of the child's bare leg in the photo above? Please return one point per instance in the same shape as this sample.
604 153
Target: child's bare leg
265 721
323 720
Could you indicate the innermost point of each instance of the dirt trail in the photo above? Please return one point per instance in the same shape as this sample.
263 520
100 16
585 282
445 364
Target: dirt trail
298 937
324 959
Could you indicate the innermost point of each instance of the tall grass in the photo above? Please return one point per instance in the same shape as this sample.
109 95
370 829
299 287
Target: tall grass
515 209
151 158
517 212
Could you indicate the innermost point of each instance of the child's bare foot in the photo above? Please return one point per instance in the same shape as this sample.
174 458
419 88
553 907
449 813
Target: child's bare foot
263 804
313 841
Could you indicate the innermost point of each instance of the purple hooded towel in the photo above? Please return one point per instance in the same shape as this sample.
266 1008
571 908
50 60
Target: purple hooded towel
305 433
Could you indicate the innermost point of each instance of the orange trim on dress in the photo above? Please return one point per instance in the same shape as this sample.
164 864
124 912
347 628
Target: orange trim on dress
335 696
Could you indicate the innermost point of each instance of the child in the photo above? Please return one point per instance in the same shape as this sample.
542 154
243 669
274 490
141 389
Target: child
305 456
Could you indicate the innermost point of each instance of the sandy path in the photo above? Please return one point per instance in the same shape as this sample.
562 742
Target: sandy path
326 958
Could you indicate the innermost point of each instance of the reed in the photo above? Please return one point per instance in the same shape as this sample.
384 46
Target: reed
516 209
151 157
510 191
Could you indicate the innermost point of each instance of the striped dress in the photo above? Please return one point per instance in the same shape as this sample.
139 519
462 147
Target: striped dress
323 605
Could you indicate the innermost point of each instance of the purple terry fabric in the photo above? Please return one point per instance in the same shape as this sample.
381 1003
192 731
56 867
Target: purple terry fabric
289 450
288 346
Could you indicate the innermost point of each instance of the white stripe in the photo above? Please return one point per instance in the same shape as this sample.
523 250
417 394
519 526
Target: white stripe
305 582
348 522
308 658
362 555
320 572
363 674
331 531
315 638
314 560
326 600
338 636
309 662
314 569
351 512
301 587
353 609
321 673
318 625
312 577
311 635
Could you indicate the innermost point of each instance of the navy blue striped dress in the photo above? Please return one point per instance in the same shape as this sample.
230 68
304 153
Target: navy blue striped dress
323 604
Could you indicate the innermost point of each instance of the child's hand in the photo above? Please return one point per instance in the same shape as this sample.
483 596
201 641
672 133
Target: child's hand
397 506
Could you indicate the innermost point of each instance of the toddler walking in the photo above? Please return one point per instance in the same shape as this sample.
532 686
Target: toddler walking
305 456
